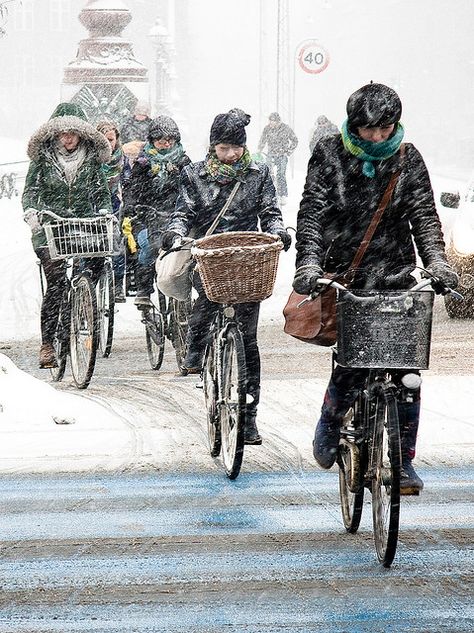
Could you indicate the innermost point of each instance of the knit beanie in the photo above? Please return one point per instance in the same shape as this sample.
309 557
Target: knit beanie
373 105
163 127
228 128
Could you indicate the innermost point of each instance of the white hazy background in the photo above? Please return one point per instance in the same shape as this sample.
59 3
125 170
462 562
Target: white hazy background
226 56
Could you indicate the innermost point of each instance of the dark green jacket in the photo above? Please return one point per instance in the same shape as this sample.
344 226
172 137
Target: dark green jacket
46 186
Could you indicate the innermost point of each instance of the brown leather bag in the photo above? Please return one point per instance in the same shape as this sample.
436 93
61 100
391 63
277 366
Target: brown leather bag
315 321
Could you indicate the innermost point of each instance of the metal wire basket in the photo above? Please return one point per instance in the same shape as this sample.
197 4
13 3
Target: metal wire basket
80 237
390 330
238 266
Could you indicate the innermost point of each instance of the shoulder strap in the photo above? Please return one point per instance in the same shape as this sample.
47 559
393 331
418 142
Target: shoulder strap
378 214
221 213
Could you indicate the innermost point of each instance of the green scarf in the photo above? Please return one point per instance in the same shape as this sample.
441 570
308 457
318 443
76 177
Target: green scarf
370 152
222 173
113 169
160 161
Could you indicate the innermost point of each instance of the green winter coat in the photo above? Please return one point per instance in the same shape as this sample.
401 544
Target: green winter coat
46 186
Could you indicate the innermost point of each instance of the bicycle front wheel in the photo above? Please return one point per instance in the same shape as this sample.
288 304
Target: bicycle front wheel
232 406
210 388
351 463
386 455
179 315
155 337
106 309
84 334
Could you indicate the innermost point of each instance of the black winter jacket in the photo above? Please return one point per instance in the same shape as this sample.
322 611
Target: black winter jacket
201 198
339 202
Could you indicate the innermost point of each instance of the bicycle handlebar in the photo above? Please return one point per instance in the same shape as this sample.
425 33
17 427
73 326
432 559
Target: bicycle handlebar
55 216
322 281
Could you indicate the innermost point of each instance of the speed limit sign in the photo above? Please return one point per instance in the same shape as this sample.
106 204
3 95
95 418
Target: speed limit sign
312 57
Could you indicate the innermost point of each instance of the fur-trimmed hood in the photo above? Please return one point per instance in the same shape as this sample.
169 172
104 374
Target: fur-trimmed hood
68 123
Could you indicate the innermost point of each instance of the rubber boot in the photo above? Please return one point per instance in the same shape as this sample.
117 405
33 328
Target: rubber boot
409 417
326 440
251 434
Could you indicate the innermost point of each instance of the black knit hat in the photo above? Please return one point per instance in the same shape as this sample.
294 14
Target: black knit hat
163 127
373 105
228 128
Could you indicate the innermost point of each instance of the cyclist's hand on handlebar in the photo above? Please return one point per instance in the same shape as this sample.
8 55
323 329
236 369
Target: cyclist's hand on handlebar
285 238
443 277
168 238
31 217
306 278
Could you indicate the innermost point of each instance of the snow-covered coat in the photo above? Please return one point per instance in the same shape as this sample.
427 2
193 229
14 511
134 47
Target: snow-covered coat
281 140
201 198
134 130
46 186
339 202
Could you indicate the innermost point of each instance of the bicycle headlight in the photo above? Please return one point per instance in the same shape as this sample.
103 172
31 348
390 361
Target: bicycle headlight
411 381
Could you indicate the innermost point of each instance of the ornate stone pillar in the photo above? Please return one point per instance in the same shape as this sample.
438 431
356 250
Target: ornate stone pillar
105 78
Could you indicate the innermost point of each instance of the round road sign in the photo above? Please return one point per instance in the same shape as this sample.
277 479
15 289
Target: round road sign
312 57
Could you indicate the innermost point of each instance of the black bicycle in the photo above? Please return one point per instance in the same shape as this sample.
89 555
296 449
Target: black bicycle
167 318
82 318
224 385
389 334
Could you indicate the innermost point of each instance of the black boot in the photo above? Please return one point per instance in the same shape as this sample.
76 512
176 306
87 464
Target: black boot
409 417
251 434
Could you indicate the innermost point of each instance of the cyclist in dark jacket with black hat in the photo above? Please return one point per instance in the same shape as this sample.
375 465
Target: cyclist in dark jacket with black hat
204 189
347 176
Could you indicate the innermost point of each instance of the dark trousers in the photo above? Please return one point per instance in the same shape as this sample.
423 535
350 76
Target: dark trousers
342 391
198 336
280 163
56 284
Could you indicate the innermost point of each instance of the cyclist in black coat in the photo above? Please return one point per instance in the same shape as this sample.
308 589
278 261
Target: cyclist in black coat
347 176
151 196
204 189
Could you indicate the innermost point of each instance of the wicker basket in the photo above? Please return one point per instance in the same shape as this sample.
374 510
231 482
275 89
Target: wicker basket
237 267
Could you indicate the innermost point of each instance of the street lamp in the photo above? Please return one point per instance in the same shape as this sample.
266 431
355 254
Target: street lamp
159 38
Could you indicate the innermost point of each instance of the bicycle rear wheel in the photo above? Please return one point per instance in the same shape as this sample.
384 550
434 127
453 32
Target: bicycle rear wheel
61 339
210 387
232 407
179 314
106 309
155 336
386 477
84 334
351 470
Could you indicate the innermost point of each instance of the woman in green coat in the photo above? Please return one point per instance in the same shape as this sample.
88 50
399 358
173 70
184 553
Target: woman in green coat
65 177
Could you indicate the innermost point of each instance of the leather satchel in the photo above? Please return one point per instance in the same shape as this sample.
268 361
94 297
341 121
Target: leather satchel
315 321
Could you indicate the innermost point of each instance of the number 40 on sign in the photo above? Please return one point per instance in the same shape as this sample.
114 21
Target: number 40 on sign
312 57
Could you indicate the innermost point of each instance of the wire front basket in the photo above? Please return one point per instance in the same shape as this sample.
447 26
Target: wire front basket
238 266
389 330
80 237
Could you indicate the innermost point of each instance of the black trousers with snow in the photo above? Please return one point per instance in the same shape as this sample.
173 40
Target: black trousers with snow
198 336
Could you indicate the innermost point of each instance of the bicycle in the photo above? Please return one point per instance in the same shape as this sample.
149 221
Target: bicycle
377 329
235 267
83 320
166 319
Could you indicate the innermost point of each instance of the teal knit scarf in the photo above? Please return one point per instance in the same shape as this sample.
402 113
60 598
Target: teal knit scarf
370 152
161 162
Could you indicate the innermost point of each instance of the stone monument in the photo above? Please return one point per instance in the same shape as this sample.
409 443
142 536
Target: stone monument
105 78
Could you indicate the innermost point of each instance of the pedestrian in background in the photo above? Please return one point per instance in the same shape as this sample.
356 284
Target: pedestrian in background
281 142
324 127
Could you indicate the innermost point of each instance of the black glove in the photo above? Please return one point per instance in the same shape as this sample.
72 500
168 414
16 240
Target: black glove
443 273
305 281
285 238
168 238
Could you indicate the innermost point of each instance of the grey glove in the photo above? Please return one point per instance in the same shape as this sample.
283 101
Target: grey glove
285 238
305 281
31 217
443 273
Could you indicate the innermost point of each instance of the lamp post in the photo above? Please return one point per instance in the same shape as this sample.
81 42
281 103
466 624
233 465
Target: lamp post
160 39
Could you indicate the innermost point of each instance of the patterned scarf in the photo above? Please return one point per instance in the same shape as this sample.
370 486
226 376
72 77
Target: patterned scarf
222 173
113 169
370 152
162 162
